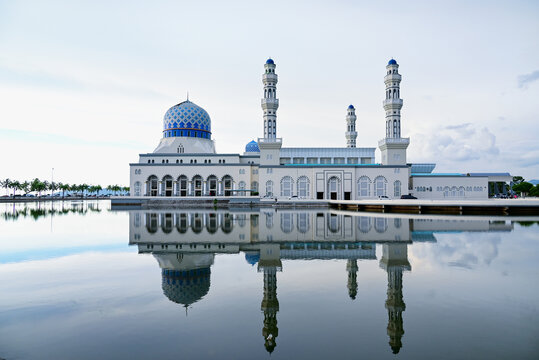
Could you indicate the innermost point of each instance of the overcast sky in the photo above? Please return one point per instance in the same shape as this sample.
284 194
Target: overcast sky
84 85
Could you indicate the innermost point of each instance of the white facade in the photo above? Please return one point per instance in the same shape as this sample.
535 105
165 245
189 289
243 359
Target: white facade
185 162
449 187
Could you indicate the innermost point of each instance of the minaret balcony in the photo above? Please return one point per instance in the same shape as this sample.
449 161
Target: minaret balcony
393 102
270 102
392 77
269 78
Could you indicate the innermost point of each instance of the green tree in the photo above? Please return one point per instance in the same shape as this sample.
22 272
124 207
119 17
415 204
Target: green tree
64 188
15 185
37 186
518 179
522 187
25 187
534 191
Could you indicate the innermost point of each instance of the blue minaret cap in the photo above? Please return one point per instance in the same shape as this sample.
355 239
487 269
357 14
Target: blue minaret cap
392 62
270 61
351 107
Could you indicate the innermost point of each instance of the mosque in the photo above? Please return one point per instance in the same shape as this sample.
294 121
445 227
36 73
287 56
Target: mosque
186 164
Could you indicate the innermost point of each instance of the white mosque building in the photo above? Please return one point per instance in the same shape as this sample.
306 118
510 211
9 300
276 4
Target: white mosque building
186 164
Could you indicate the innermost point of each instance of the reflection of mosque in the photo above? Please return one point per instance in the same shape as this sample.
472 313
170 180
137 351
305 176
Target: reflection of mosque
185 243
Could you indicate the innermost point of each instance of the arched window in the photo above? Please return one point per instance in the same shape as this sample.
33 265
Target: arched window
364 224
137 188
152 186
227 184
303 187
287 222
333 223
197 223
286 186
212 185
166 186
211 223
269 188
380 186
182 223
364 186
242 187
461 191
303 222
380 224
152 222
397 189
446 191
197 185
182 185
167 223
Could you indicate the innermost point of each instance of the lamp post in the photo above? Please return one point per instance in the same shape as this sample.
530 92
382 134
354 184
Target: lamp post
52 182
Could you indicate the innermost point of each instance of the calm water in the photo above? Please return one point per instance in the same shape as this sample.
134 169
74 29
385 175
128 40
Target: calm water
78 281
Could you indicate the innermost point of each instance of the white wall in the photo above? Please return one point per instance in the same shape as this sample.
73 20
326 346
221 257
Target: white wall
450 187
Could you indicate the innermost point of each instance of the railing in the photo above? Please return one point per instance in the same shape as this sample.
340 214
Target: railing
394 141
270 101
274 140
272 77
392 101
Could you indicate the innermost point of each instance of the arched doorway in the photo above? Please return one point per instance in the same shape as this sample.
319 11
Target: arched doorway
153 186
334 188
167 185
212 185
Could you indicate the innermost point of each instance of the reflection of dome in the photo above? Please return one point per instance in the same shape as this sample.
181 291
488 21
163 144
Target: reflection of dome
252 147
186 287
188 120
392 62
252 257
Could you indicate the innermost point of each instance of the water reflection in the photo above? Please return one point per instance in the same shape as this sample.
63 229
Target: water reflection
36 210
184 244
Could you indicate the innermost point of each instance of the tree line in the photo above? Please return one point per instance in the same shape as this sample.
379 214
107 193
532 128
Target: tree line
520 186
37 186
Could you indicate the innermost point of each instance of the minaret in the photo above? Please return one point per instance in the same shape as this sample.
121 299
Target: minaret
270 145
351 267
270 103
393 147
351 133
395 262
270 264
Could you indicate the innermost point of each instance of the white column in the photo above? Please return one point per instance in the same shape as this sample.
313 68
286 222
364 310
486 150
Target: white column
205 187
145 188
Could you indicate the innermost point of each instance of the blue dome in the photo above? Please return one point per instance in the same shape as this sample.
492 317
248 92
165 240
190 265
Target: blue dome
392 62
252 147
351 107
270 61
188 120
252 258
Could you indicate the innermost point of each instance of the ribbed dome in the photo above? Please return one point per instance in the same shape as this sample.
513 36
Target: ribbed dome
392 62
187 119
252 147
186 287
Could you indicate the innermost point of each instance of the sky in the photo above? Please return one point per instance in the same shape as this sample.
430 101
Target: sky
84 86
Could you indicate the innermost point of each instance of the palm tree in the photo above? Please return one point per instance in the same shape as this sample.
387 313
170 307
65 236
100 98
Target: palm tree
64 188
6 184
15 185
98 188
84 187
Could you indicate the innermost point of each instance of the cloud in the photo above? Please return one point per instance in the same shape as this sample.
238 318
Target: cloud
525 80
461 142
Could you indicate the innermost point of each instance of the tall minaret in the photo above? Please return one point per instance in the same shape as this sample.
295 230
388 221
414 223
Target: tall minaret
395 262
351 133
270 145
393 102
270 264
393 147
351 267
270 103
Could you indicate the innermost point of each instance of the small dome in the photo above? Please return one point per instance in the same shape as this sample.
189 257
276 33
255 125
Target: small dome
392 62
270 61
351 107
187 119
252 257
252 147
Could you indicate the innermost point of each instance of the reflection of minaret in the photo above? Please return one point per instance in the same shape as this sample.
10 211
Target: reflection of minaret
270 263
351 267
395 261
